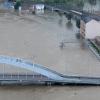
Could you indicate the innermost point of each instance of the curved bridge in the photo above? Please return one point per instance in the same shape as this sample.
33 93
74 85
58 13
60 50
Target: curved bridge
45 75
17 62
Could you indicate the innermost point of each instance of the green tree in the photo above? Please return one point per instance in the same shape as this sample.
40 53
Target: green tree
17 4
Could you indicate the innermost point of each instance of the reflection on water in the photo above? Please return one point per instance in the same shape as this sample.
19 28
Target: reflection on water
69 25
60 22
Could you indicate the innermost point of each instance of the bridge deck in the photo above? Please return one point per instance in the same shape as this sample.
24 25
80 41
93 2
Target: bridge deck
43 76
6 79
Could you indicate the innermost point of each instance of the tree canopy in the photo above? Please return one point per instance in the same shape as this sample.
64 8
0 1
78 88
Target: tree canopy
59 1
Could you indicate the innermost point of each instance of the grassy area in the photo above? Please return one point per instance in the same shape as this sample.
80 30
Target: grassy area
96 47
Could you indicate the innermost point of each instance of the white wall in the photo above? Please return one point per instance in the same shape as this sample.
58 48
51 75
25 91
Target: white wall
39 7
92 29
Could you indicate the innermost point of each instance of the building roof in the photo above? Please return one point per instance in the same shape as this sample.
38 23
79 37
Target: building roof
88 17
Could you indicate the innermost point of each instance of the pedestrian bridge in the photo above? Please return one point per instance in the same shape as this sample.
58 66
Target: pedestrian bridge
21 63
44 76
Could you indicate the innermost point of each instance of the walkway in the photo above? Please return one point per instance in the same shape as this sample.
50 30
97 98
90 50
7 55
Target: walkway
30 66
44 76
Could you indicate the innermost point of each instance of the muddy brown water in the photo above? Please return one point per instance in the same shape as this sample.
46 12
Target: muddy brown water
37 38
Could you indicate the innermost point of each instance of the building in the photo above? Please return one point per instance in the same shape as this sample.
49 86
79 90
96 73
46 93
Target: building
90 26
38 8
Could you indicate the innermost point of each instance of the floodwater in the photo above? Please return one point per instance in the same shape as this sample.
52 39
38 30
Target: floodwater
38 39
48 93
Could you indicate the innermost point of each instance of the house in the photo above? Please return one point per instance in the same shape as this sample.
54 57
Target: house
38 8
90 26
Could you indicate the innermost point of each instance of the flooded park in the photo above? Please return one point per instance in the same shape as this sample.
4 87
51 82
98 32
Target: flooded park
39 38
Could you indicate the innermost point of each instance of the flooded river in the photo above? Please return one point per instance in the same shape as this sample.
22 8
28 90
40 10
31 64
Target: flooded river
38 38
48 93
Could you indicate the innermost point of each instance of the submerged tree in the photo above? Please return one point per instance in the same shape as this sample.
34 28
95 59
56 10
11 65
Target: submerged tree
69 16
78 23
17 5
78 26
92 2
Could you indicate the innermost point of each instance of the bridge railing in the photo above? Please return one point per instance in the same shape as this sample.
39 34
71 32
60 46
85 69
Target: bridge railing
4 76
47 69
